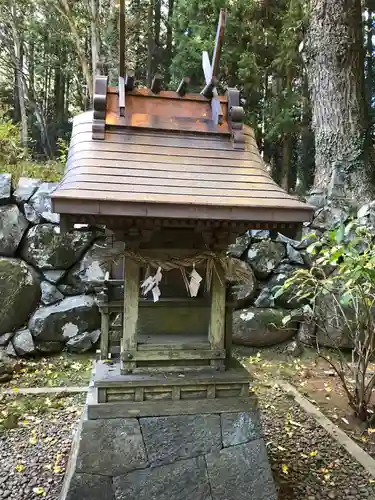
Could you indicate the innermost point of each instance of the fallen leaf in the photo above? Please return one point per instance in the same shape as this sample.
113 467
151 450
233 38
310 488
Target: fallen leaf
296 424
39 491
284 468
313 453
20 467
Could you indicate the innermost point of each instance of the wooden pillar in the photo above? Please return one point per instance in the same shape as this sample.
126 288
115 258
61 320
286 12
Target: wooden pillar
104 339
228 322
131 299
217 321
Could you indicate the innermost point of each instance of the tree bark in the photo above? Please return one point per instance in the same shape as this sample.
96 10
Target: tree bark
150 43
63 7
335 68
169 42
18 60
95 40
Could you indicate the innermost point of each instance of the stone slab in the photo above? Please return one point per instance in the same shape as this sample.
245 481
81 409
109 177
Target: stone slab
89 486
241 473
110 447
183 480
239 428
174 438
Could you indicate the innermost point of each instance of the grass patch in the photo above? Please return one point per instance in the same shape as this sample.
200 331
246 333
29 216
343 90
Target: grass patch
51 171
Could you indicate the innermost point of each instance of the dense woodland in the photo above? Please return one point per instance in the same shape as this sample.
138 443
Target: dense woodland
305 70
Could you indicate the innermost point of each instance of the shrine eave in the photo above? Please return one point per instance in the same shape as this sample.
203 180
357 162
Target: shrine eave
148 173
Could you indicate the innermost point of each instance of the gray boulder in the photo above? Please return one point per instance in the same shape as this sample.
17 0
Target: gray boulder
67 319
330 217
5 188
262 327
260 234
50 293
5 339
54 276
41 205
332 329
265 256
45 248
31 214
12 228
293 255
288 299
306 333
239 248
23 343
294 348
243 293
265 298
25 189
90 269
10 351
6 367
49 347
80 343
19 293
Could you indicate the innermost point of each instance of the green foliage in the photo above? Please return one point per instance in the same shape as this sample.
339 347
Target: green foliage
260 57
14 159
11 150
50 171
340 291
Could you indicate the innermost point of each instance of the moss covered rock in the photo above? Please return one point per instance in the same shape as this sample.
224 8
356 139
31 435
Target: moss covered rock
257 327
19 293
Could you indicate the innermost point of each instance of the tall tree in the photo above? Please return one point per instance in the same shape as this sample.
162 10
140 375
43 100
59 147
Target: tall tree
335 67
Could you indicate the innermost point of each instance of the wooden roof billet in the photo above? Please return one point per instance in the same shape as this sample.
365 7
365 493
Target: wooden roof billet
164 173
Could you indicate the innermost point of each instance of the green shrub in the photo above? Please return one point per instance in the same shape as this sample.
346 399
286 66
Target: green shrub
343 276
50 171
11 150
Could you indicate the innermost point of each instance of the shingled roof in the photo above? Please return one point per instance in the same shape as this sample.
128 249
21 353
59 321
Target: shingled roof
167 158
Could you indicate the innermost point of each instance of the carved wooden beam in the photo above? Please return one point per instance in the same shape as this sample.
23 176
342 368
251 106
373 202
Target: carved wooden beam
236 116
99 107
182 88
156 84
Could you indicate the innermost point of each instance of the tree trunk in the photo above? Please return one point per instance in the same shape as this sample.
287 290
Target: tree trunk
18 60
157 20
64 8
169 42
335 68
150 43
95 41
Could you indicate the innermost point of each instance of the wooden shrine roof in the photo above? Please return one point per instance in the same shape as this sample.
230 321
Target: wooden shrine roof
167 158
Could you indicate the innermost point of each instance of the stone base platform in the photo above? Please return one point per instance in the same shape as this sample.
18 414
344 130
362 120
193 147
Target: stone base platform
201 455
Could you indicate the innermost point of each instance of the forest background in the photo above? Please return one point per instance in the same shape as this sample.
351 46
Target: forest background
305 71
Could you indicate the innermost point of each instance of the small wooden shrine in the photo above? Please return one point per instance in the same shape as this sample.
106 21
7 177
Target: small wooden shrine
177 177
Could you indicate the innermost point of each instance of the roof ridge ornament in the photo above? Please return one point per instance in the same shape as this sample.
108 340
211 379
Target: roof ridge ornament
211 71
99 107
236 116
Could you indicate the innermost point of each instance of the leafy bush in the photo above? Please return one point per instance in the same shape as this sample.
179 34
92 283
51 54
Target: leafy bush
11 150
50 171
343 273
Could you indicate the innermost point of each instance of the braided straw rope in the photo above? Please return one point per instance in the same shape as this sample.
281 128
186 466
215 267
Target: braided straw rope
233 269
